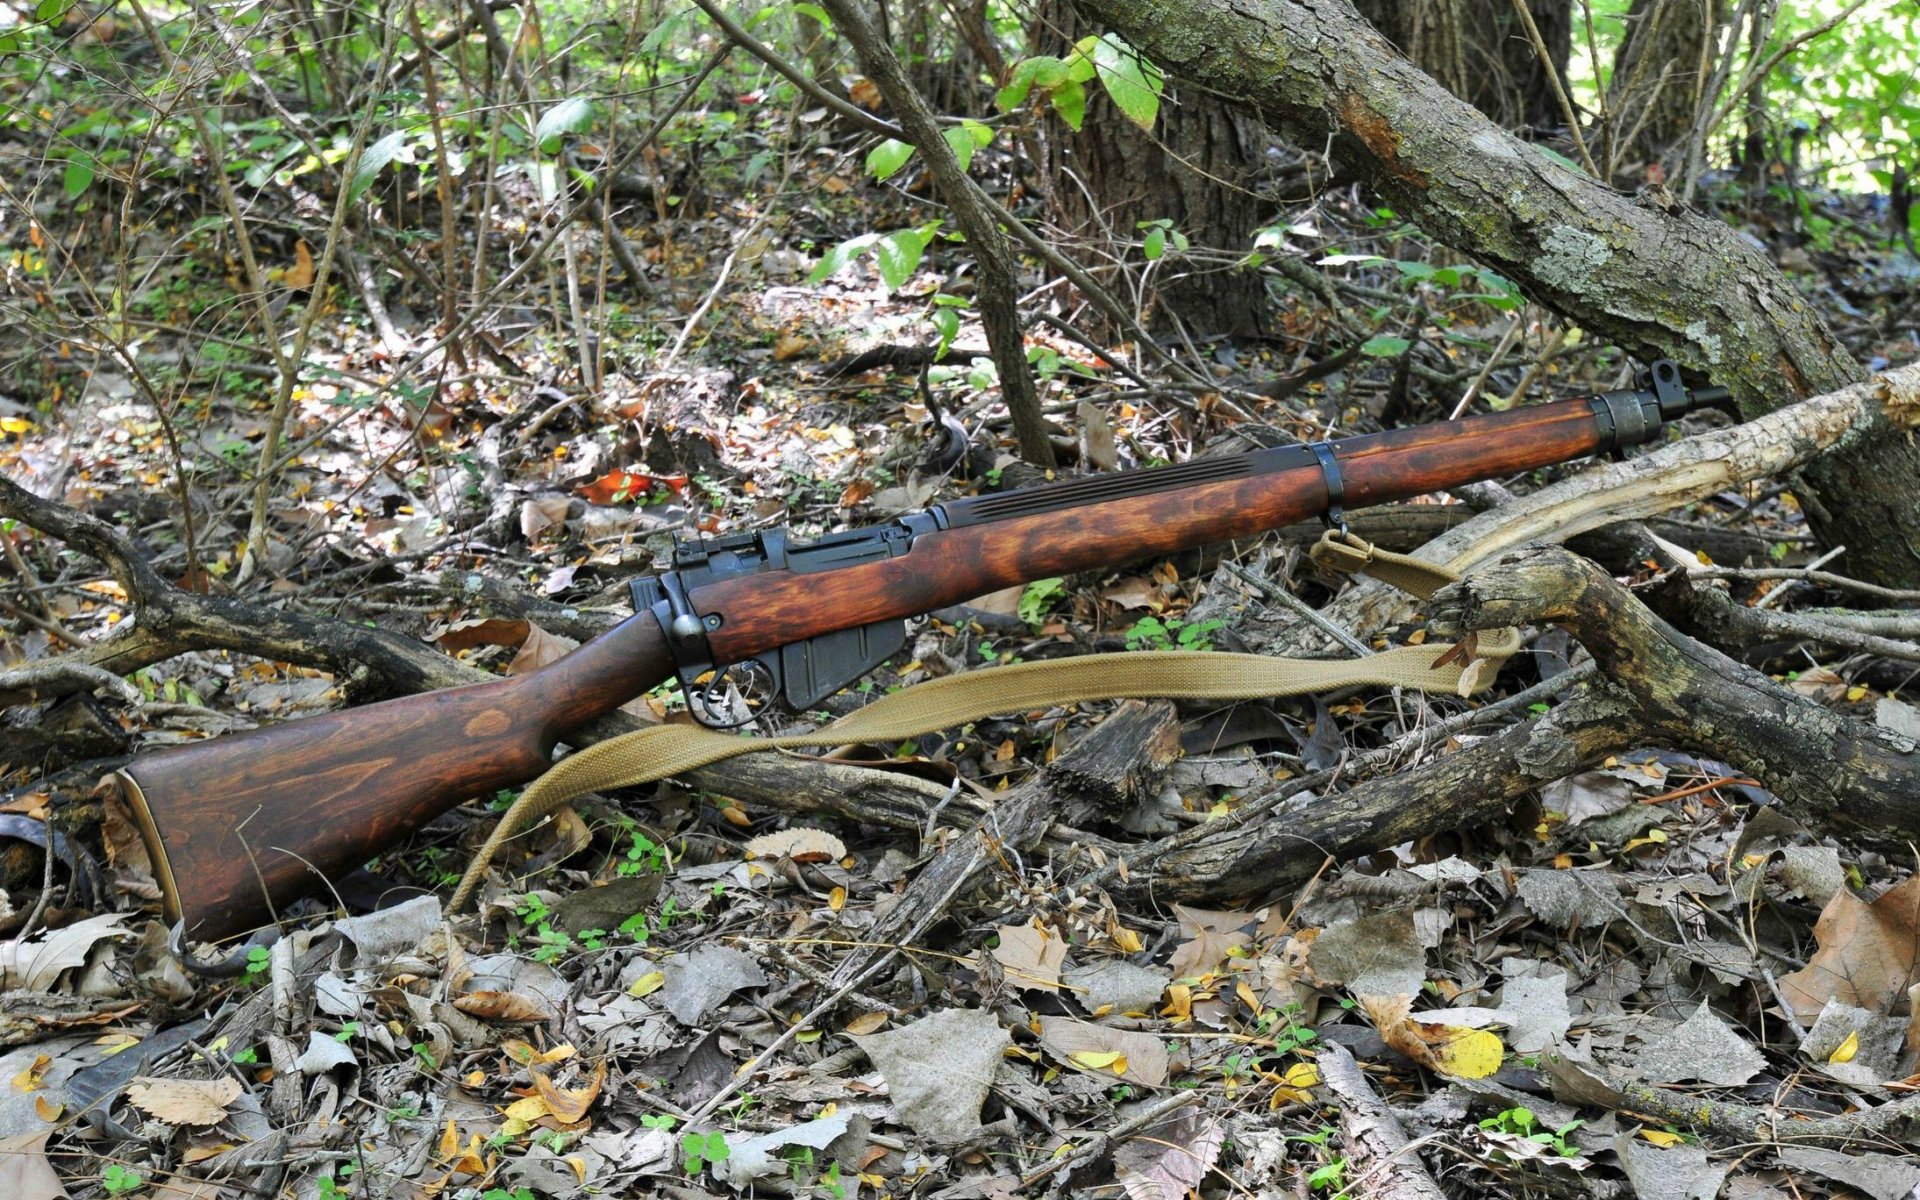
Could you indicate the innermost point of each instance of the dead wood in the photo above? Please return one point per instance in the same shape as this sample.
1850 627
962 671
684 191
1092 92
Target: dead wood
1653 686
1377 1147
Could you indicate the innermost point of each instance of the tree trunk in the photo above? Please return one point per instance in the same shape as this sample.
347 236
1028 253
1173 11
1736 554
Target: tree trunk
1658 73
1661 283
1480 51
1197 168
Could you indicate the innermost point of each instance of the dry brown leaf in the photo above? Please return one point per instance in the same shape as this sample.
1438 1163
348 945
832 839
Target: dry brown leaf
196 1102
790 345
503 1006
541 514
569 1105
1819 683
1031 957
300 274
865 93
1125 1054
798 843
1869 954
539 649
25 1173
483 631
1137 592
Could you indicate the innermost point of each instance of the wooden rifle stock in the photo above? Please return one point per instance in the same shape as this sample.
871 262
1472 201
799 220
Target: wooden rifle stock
236 824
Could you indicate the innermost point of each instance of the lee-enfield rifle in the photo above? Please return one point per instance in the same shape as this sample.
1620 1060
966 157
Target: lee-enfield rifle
238 824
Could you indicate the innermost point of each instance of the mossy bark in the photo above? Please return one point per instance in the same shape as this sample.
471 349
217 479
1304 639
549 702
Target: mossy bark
1663 283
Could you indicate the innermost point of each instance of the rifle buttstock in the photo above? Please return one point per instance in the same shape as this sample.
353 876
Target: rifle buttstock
236 823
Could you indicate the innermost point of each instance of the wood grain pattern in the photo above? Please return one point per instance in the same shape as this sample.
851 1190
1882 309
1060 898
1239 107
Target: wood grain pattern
273 812
776 608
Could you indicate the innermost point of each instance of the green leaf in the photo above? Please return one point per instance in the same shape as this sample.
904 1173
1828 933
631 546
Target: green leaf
1385 347
898 255
373 160
946 323
78 176
888 157
1070 101
1156 242
812 10
1080 64
1043 71
1134 83
962 144
668 28
49 11
575 112
841 255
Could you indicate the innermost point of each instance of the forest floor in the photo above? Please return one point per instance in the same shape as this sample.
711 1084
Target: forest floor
653 995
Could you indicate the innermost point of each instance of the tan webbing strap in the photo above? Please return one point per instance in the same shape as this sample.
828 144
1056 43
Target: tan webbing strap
652 754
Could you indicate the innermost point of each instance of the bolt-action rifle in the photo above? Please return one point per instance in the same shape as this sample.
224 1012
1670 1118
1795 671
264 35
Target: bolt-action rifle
238 824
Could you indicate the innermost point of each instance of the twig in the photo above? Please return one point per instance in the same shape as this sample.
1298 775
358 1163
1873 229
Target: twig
1559 91
1150 1115
1299 608
1780 593
1493 360
1810 575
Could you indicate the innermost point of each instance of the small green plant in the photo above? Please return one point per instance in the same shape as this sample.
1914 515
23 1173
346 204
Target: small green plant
259 959
347 1032
644 855
699 1149
1039 598
518 1193
660 1121
247 1057
425 1054
329 1187
119 1180
1331 1177
1151 633
1521 1122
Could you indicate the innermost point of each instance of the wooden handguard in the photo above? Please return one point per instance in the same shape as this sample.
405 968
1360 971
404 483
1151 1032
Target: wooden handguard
237 823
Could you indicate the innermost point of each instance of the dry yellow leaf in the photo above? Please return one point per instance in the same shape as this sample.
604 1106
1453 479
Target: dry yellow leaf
648 984
1844 1052
1471 1054
1662 1138
1101 1060
1292 1084
865 1023
1126 941
527 1056
837 899
569 1106
47 1110
1179 1003
29 1080
196 1102
449 1141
